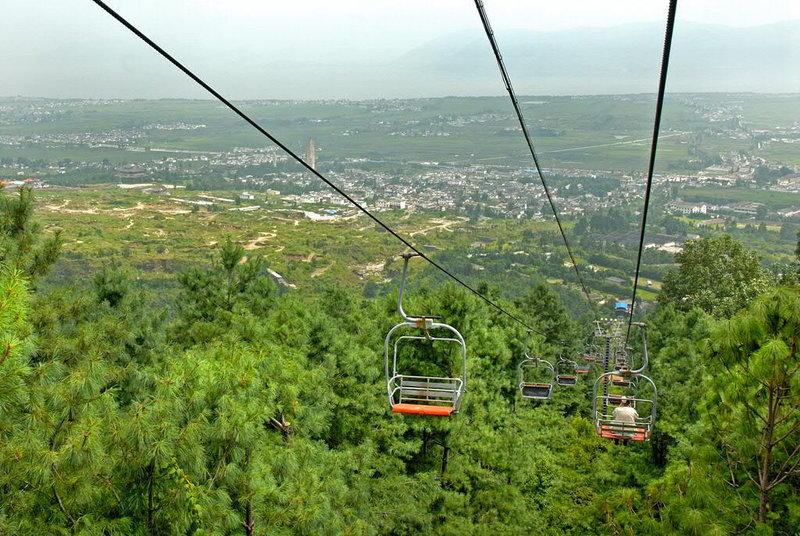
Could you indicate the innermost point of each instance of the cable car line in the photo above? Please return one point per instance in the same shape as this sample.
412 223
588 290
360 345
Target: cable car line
294 156
662 83
507 81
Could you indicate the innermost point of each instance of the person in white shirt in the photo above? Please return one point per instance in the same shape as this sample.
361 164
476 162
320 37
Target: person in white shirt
624 414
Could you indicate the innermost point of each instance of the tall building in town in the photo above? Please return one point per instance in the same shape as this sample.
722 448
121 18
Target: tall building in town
311 154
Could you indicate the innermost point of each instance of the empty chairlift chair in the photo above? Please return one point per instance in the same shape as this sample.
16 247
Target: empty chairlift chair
621 360
536 376
621 378
582 368
422 394
591 355
618 387
566 372
622 366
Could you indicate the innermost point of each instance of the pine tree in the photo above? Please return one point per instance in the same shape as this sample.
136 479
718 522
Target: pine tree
210 297
19 236
754 402
16 341
60 478
16 347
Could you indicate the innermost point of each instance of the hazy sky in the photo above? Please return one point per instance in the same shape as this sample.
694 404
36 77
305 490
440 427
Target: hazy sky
60 46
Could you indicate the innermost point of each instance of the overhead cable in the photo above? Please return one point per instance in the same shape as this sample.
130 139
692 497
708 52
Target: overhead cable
507 81
302 162
662 84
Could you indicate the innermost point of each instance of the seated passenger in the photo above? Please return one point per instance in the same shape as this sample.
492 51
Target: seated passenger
624 413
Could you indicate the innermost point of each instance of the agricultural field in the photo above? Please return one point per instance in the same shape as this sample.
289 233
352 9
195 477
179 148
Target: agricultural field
600 132
773 200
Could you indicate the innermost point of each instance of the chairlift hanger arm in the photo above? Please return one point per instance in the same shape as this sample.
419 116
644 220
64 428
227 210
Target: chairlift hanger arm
527 342
645 360
407 317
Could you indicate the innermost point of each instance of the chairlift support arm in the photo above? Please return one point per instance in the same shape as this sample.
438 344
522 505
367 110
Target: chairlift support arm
645 360
422 321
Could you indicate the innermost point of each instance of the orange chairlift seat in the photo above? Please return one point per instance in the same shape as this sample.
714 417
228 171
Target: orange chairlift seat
416 394
423 409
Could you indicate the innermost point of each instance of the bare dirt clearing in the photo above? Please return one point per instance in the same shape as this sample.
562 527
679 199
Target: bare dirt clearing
260 241
441 224
319 271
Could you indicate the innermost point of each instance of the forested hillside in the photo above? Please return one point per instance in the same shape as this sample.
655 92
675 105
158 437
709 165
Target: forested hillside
241 408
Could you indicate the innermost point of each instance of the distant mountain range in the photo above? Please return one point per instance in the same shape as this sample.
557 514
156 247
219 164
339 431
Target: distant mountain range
622 59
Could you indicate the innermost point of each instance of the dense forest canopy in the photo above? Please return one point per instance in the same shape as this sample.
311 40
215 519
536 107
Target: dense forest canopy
238 408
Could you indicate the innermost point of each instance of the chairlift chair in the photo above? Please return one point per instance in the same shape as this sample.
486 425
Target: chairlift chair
591 355
417 394
620 387
632 387
610 427
620 379
536 376
567 370
591 358
532 373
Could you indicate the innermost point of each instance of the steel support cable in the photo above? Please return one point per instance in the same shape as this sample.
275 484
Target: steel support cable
291 153
507 81
662 84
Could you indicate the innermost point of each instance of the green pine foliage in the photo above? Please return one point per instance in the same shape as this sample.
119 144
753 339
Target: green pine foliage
239 409
755 397
21 243
16 341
